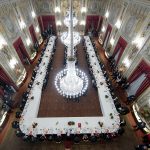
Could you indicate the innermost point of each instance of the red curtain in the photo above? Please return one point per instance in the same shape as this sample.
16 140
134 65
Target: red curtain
32 32
109 28
143 67
100 23
1 92
49 20
21 50
138 71
40 23
120 46
91 20
5 78
145 84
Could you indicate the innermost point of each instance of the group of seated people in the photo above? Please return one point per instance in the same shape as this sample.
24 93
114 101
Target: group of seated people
48 32
36 45
74 138
45 81
7 98
25 95
122 110
116 75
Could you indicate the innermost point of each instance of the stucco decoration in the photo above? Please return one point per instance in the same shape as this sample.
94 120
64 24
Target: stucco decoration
130 25
146 30
8 21
133 52
10 26
114 11
44 6
93 6
65 6
26 12
146 50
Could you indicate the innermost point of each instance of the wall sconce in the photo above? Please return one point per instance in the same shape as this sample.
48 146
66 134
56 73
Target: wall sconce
107 14
83 10
2 42
28 41
22 24
13 62
82 22
127 62
118 24
112 41
138 41
57 9
37 30
33 14
103 29
58 23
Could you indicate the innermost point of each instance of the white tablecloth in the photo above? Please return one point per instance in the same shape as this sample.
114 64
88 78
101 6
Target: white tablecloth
59 125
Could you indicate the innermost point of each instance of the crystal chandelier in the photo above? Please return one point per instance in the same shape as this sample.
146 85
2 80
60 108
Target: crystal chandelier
66 36
71 82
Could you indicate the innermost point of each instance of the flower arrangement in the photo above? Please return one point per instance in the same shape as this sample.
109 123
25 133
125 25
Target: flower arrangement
34 125
71 123
106 96
100 124
38 83
71 59
111 115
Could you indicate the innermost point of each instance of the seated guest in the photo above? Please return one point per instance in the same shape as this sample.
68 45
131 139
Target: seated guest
85 137
6 108
122 122
130 99
58 139
117 104
120 131
125 85
93 139
15 124
19 133
18 114
123 110
32 138
42 138
146 138
139 125
142 147
25 138
76 139
49 137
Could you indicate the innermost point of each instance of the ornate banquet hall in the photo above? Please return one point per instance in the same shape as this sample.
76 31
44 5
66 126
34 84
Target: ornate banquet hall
75 74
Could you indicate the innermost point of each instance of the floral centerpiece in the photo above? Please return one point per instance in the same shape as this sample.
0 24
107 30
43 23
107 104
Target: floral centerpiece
34 125
100 124
111 115
71 59
71 123
38 83
32 97
106 96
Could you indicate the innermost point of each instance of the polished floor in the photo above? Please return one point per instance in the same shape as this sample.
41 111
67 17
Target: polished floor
9 141
54 105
